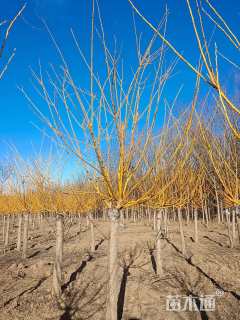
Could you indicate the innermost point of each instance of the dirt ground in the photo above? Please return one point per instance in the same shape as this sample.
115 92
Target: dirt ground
210 269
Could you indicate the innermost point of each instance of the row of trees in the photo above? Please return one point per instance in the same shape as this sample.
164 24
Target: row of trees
133 152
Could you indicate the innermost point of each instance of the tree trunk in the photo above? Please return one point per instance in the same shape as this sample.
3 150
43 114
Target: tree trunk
166 223
174 215
122 218
57 270
25 235
229 228
154 220
87 221
113 266
149 215
19 232
238 228
6 240
206 213
158 245
233 226
221 211
92 237
195 225
187 215
181 232
3 228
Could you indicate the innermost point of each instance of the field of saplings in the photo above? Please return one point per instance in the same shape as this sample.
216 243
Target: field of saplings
56 266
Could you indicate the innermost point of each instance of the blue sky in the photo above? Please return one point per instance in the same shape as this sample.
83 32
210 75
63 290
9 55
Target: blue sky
32 42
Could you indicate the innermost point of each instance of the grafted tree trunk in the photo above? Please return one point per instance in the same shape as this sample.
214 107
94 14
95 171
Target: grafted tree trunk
19 234
57 269
113 266
25 235
195 225
158 245
181 232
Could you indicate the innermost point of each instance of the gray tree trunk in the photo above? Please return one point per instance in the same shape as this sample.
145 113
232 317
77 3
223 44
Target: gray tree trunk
25 235
166 223
92 237
238 228
122 219
154 220
221 211
206 213
229 228
187 214
113 266
158 245
195 225
6 240
181 232
19 232
233 226
3 228
57 269
87 221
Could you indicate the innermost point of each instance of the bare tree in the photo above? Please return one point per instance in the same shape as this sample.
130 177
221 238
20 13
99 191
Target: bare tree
4 66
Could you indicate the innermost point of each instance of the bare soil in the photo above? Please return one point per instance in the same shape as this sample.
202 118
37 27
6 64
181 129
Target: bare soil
210 268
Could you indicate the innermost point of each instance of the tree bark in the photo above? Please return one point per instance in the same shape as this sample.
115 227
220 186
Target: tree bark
3 228
57 270
233 226
187 215
229 228
19 232
25 235
6 240
113 266
195 225
158 245
87 221
165 223
92 237
221 211
181 232
238 228
154 220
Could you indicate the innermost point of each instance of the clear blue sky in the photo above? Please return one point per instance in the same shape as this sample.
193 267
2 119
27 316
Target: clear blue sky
33 44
